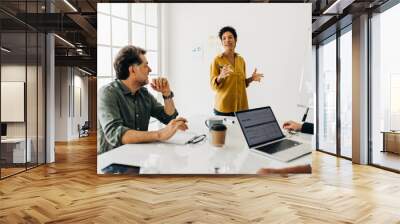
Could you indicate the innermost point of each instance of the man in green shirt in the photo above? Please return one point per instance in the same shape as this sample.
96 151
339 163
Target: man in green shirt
125 105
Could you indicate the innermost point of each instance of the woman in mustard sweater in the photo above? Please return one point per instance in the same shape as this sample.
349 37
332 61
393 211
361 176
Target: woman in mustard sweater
228 76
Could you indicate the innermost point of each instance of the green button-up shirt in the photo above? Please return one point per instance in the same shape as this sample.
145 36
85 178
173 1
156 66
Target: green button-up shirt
119 110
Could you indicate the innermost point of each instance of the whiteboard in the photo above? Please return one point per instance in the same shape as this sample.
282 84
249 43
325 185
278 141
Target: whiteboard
12 101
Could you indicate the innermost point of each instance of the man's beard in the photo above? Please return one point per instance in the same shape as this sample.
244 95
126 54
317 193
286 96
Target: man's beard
143 83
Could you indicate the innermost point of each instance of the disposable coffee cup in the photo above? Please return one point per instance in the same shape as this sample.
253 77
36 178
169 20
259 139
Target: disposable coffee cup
218 133
213 120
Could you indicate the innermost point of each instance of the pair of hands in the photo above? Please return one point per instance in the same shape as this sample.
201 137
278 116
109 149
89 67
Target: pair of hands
292 126
161 85
173 126
227 70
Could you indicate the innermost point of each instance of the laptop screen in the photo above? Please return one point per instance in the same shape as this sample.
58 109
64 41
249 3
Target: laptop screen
259 126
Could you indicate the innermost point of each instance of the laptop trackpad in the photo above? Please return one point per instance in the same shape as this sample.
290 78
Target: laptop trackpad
278 146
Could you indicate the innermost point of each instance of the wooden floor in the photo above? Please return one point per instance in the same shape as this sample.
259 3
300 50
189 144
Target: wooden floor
10 171
70 191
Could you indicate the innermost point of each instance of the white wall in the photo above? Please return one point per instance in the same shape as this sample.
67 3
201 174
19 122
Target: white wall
17 73
61 103
275 38
33 126
68 81
313 112
12 73
80 83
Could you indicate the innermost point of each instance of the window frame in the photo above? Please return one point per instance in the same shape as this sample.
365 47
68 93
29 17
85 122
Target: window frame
110 47
334 37
379 10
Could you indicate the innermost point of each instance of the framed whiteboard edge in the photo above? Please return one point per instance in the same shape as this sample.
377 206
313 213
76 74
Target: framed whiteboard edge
23 103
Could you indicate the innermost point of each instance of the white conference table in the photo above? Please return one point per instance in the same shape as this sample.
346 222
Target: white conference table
201 158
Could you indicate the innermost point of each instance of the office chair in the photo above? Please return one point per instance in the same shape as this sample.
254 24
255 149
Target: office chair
84 130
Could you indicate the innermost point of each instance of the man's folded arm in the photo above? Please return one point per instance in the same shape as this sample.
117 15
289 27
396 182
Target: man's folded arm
115 133
110 118
158 111
133 136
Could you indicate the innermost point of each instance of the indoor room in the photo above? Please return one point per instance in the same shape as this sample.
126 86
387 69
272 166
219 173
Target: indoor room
287 86
330 67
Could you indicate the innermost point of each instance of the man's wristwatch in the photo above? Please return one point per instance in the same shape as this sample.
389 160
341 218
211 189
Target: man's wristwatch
168 97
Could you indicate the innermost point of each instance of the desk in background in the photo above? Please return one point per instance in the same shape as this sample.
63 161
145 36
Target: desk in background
391 141
13 150
200 158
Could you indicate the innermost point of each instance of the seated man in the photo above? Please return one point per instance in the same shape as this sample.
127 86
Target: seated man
125 105
306 127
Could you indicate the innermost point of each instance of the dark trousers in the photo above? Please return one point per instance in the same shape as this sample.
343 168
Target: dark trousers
216 112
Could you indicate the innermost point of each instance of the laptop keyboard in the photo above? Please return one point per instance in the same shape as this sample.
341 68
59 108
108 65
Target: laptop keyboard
278 146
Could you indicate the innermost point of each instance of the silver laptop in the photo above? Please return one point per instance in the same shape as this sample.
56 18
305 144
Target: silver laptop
263 135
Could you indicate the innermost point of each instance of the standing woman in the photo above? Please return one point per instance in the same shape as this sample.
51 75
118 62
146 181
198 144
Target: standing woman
228 76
